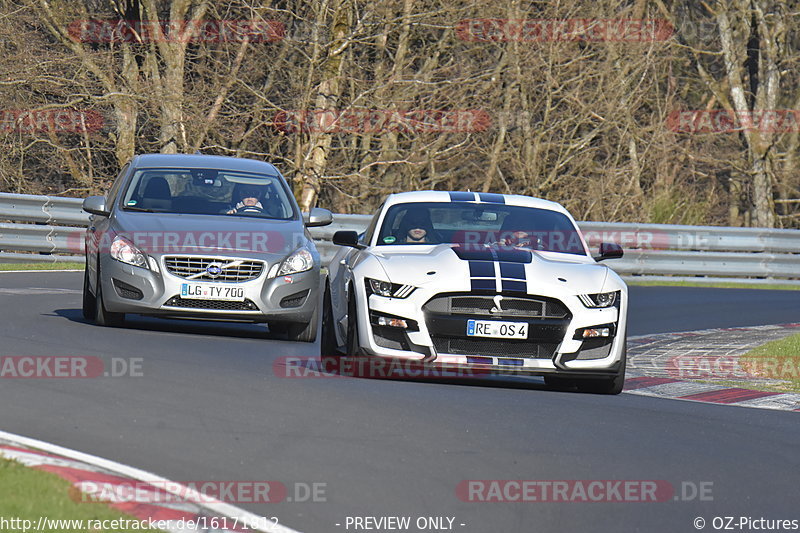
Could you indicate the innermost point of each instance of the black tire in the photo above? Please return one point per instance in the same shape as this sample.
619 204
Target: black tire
352 346
608 385
328 346
304 331
104 317
89 302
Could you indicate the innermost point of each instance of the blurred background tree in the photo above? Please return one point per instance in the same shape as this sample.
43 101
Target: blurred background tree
581 122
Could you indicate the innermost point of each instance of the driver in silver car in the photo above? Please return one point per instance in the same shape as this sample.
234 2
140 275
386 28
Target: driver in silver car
249 202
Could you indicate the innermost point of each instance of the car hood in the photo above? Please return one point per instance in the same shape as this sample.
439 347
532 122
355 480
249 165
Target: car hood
445 265
211 234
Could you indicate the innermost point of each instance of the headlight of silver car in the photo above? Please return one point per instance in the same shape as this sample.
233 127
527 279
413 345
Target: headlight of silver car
388 289
600 299
125 251
299 261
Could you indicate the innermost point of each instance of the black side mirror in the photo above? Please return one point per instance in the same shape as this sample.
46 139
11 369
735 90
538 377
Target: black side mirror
609 250
347 238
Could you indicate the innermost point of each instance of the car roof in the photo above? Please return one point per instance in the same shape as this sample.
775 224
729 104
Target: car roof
477 197
202 161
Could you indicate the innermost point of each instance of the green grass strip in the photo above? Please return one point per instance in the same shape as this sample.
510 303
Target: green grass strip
28 494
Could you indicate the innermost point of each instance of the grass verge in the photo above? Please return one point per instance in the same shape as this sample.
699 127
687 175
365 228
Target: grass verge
28 494
41 266
779 359
715 285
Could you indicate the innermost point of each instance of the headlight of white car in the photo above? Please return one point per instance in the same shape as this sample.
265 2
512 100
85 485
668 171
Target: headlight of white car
124 251
300 261
600 299
388 289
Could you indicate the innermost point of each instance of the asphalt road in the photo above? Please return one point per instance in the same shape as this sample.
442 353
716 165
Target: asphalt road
210 406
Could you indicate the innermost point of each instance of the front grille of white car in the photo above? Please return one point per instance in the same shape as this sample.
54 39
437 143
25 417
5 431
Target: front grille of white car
487 305
446 316
223 270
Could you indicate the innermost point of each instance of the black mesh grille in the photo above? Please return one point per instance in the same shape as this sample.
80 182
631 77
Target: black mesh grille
218 305
231 271
127 291
496 347
595 348
388 337
511 306
446 316
295 300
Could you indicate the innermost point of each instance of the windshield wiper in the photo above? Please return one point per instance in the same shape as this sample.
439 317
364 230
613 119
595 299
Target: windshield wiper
134 208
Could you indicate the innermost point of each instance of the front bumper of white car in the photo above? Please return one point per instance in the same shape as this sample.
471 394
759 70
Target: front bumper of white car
436 325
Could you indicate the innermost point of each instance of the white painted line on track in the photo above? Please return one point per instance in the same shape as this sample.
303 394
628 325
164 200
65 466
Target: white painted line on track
28 291
224 509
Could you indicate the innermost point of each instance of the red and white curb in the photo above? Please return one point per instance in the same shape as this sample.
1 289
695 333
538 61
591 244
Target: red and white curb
652 372
709 393
83 470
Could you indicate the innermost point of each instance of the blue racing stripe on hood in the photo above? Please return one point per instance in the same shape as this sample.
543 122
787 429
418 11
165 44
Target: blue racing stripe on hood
514 286
481 269
462 196
472 252
512 270
491 197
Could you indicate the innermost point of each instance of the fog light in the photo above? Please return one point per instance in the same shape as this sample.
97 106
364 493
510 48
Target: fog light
393 322
596 332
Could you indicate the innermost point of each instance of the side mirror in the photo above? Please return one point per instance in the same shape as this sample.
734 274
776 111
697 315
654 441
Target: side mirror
317 217
609 250
96 205
347 238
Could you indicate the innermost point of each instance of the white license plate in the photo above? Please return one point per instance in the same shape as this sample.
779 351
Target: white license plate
497 329
207 291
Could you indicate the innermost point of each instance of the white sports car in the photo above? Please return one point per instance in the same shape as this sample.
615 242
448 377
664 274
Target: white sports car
494 281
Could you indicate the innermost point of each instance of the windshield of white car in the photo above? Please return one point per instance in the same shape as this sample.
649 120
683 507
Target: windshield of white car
207 192
480 225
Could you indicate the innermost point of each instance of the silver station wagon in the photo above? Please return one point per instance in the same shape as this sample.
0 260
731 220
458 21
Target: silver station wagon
204 237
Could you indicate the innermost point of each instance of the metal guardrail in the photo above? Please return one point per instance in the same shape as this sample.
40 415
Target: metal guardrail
652 251
44 209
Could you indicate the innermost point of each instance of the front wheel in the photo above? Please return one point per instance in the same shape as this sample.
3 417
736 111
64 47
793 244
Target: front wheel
328 347
89 307
352 325
304 331
104 317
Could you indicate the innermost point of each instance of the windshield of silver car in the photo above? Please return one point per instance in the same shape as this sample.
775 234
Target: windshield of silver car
207 192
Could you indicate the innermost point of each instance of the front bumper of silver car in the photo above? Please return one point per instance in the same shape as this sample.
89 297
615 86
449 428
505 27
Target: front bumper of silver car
156 291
